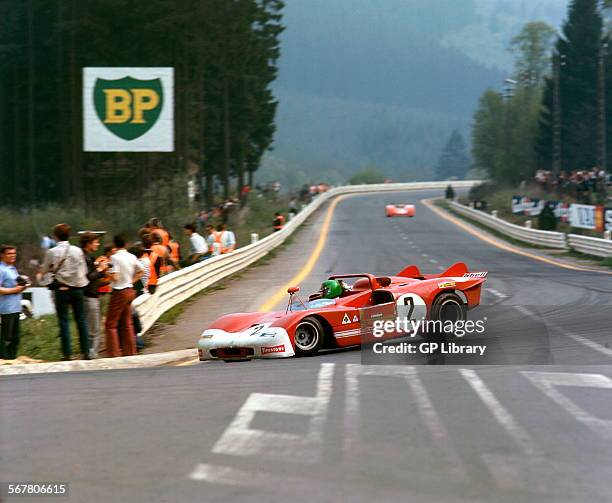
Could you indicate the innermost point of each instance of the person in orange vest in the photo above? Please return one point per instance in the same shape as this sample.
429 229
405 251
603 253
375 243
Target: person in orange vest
279 222
155 262
104 259
225 238
161 251
157 227
175 253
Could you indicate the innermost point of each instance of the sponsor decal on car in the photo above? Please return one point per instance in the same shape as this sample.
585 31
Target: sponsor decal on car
475 275
272 349
447 284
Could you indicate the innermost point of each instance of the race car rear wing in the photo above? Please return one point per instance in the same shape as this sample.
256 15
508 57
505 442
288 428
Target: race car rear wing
456 270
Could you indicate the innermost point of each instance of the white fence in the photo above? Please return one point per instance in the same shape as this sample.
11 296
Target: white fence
180 285
589 245
548 239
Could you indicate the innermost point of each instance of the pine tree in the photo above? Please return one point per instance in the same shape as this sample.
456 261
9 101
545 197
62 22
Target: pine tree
579 44
454 160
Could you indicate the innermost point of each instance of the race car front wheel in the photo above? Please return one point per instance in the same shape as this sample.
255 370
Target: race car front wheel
309 336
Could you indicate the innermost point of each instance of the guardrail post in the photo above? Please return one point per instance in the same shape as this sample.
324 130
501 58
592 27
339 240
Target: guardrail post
254 237
528 224
607 234
494 213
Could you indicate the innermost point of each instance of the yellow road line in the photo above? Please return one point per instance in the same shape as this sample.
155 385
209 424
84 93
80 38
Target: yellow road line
474 232
183 364
272 301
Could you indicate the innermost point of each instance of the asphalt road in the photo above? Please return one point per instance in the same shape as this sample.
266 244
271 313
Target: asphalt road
327 428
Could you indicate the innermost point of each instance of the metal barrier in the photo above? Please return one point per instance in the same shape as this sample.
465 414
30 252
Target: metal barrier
591 246
548 239
180 285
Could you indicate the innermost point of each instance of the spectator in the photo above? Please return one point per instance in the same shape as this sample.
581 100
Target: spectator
174 252
161 251
67 266
124 272
96 270
225 238
47 242
143 257
11 287
198 248
214 247
244 194
278 222
155 263
104 283
157 227
140 287
202 219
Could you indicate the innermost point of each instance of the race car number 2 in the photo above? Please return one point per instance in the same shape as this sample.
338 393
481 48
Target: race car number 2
411 306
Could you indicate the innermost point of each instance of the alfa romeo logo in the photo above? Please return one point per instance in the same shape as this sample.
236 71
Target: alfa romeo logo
128 107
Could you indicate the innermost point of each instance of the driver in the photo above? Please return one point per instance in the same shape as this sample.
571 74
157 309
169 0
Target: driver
331 289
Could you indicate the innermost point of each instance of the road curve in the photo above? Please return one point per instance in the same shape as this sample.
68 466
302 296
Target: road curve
330 429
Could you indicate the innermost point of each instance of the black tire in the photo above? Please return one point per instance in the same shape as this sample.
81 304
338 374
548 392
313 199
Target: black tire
309 337
447 306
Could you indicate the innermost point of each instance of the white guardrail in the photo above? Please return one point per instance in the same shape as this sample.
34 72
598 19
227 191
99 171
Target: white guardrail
583 244
548 239
591 246
180 285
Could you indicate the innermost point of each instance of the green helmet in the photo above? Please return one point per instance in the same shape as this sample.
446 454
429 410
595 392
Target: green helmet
331 289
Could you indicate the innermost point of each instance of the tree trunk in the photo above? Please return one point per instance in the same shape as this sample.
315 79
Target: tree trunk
226 140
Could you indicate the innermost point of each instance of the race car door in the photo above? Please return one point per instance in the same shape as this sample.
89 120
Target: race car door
377 315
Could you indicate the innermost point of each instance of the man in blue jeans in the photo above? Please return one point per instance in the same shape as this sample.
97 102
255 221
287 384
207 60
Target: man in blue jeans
10 302
68 266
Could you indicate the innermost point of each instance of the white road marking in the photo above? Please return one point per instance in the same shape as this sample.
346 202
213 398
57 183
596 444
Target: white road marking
516 432
239 439
525 311
595 346
587 342
429 416
424 255
496 293
547 382
226 475
433 260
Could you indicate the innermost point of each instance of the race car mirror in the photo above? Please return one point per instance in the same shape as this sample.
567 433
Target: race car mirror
293 289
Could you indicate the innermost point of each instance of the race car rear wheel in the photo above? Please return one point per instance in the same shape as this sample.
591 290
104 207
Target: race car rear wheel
309 336
448 306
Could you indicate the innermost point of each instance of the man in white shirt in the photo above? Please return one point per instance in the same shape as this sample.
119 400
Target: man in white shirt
125 270
67 266
198 244
226 238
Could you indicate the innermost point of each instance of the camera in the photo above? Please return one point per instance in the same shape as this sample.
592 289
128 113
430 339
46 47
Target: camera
22 280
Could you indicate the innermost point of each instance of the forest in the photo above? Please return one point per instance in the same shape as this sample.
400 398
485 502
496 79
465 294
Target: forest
224 54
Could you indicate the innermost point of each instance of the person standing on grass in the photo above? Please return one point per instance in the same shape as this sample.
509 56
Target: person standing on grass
96 270
67 265
10 302
125 270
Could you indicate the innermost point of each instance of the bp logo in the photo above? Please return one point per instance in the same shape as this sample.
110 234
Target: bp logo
128 107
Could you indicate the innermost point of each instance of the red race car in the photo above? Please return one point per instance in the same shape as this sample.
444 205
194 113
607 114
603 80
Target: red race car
345 312
399 210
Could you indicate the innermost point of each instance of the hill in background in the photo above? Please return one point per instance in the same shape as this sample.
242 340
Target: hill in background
384 83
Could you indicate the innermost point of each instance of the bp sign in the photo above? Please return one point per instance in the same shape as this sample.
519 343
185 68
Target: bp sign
128 109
